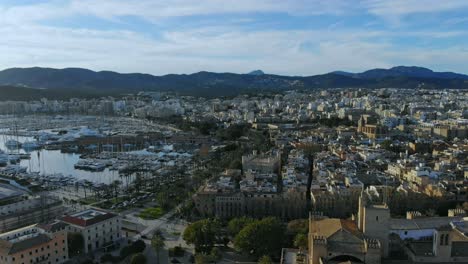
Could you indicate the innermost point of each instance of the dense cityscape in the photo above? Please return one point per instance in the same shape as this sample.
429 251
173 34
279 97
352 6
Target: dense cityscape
360 175
233 132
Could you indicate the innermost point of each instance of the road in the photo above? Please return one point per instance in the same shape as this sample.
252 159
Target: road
172 230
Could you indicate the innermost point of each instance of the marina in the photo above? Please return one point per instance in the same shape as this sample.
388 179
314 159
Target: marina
45 162
80 154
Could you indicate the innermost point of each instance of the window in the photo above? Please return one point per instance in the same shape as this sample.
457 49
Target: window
377 218
446 239
442 239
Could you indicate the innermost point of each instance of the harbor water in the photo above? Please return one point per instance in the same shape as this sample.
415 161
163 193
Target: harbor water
48 162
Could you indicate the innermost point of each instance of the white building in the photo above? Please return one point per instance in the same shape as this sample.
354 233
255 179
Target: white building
99 228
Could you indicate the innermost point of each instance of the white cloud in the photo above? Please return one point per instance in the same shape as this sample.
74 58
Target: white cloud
395 9
155 11
212 49
25 42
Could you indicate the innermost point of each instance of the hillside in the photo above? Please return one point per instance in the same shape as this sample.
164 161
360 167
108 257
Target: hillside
83 82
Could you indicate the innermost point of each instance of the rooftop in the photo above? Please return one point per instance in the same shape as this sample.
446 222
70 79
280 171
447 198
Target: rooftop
422 223
7 192
88 217
22 239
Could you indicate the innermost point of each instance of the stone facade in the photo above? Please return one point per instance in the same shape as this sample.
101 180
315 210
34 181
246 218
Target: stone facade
98 228
35 244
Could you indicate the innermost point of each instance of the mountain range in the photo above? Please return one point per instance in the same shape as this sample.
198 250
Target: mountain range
78 81
403 71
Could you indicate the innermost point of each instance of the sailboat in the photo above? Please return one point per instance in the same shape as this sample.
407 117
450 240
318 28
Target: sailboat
3 159
30 145
13 144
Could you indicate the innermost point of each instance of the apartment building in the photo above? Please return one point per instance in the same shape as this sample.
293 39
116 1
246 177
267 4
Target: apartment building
98 228
35 244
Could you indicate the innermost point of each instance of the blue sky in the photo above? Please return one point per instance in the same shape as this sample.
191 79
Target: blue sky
292 37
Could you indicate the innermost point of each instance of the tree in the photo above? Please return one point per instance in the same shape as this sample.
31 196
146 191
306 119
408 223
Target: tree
115 185
465 206
138 258
265 260
300 241
75 244
158 232
261 237
139 245
202 234
215 255
298 226
136 247
199 176
138 182
157 243
297 231
86 184
236 224
201 259
386 144
163 199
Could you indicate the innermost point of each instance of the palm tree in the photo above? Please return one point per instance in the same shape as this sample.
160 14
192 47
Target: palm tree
157 242
115 185
86 184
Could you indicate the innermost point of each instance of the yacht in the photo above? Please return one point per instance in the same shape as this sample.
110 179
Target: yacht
3 159
12 144
30 145
25 155
14 169
14 158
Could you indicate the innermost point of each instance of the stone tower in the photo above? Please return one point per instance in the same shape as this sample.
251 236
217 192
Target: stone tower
374 221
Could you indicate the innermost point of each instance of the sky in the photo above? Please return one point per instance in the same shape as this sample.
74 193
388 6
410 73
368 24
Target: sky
288 37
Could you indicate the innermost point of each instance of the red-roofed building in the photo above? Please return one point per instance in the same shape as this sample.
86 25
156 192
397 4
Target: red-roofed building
99 228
